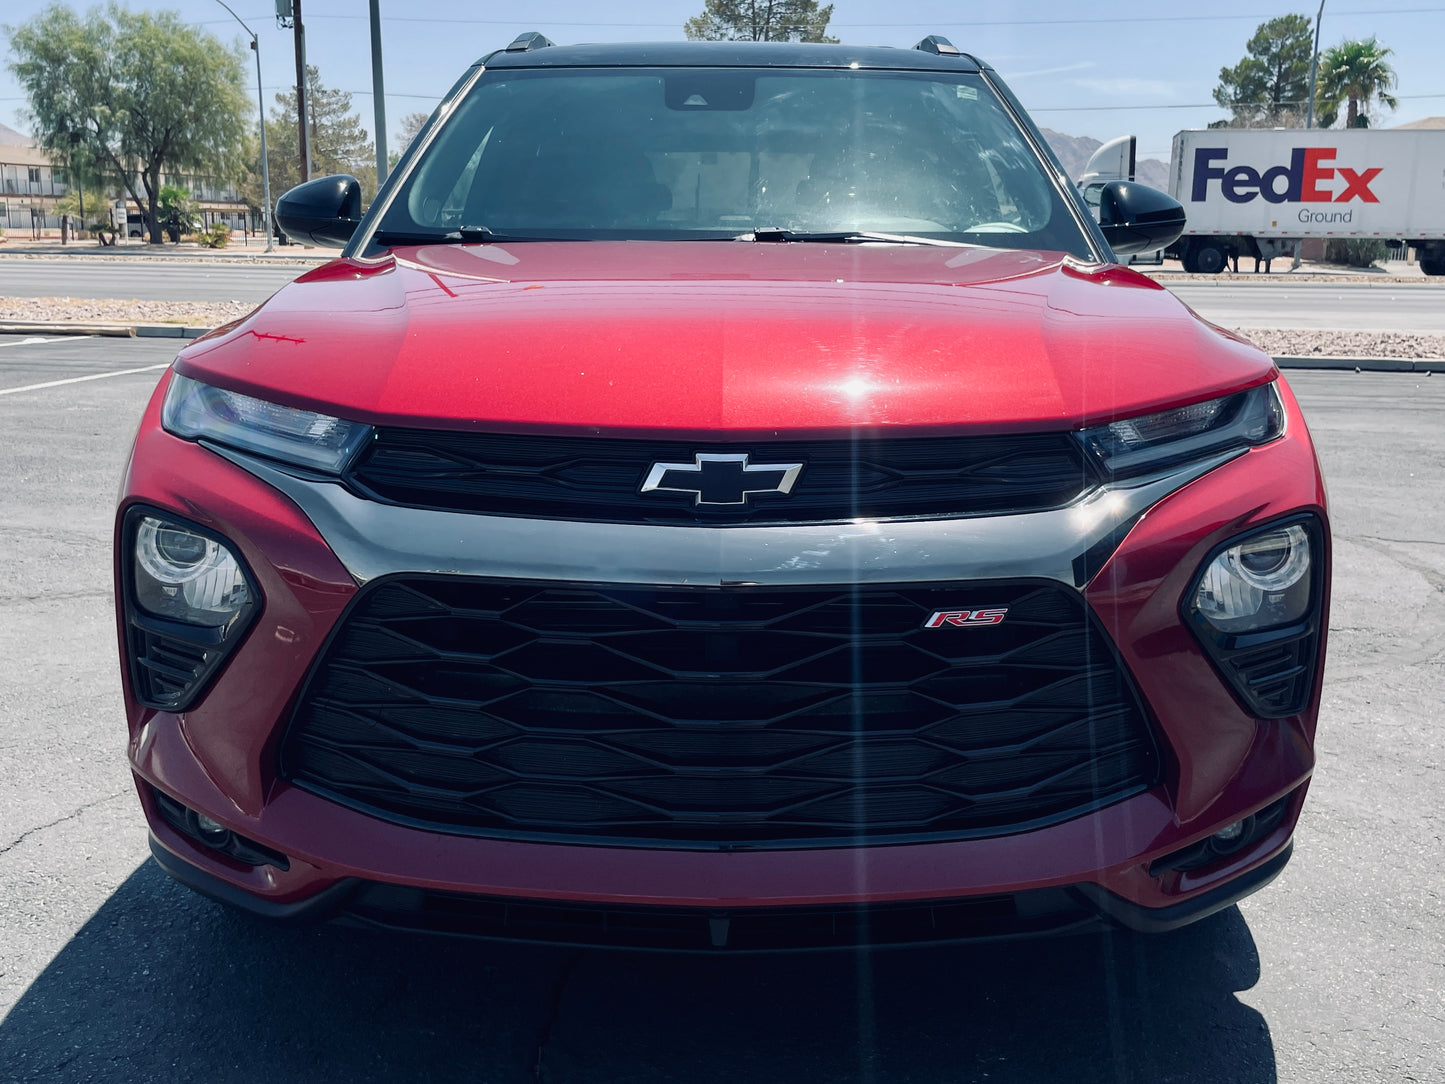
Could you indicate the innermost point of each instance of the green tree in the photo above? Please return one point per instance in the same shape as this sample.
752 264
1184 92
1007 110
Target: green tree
135 94
334 137
760 20
410 127
90 185
1269 88
1354 72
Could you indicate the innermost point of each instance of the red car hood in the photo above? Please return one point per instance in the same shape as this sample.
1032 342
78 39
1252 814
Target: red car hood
702 337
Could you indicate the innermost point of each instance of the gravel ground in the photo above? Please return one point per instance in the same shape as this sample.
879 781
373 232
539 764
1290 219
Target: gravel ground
1278 342
71 310
1293 343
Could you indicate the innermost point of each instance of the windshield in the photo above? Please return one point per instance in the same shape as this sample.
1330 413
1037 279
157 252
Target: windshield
717 153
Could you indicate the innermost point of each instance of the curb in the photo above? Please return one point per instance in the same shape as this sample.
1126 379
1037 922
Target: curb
169 331
1363 365
122 331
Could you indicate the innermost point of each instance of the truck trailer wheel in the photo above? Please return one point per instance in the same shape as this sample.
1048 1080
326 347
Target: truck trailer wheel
1206 258
1433 265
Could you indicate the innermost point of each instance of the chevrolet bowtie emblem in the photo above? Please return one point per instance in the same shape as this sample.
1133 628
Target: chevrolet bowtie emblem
719 479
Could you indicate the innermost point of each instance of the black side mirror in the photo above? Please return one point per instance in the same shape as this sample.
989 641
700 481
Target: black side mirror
323 212
1137 218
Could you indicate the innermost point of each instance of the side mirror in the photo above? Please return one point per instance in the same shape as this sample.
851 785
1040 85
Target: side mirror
1137 218
323 212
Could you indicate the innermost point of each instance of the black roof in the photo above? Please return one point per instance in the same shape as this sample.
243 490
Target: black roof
729 54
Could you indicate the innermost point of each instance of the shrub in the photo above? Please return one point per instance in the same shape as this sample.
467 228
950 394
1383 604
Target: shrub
1356 251
218 236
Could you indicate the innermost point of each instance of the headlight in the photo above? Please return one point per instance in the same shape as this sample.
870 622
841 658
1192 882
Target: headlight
188 601
1261 582
199 411
1155 441
1255 607
186 576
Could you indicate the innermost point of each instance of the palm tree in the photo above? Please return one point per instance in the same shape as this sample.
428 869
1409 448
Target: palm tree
1354 72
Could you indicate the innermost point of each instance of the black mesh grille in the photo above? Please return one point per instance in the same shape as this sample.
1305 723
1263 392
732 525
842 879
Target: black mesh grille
601 480
716 717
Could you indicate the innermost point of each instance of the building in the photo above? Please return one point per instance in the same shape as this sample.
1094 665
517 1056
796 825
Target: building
31 185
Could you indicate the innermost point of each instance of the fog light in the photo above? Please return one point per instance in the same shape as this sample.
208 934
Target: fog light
212 832
1231 834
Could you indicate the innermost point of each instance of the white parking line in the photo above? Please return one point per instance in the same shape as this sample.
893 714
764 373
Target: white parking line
81 379
35 340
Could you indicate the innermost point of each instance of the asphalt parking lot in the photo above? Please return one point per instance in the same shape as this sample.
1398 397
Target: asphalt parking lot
110 971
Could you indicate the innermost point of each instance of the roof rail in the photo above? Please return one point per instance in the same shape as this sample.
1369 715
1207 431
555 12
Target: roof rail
938 45
525 43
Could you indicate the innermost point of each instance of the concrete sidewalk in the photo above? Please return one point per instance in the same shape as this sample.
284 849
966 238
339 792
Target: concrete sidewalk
14 247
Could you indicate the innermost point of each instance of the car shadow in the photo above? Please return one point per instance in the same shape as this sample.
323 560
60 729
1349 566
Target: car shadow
163 985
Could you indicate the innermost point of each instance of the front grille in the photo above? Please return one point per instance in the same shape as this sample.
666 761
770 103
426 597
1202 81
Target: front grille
588 479
717 717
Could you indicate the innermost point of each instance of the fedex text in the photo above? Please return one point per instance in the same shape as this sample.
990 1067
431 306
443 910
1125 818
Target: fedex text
1309 178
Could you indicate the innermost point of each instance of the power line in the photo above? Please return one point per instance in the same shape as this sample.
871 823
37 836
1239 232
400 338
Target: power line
1185 105
970 24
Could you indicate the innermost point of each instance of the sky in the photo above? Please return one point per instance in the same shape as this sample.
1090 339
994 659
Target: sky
1137 67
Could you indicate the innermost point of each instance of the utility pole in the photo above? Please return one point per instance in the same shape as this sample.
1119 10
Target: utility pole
378 92
288 15
301 92
1314 66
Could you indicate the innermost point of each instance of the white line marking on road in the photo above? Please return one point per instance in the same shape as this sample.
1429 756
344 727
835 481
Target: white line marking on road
35 340
82 379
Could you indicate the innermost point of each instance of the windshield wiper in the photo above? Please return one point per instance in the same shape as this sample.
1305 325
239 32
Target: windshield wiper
462 235
843 237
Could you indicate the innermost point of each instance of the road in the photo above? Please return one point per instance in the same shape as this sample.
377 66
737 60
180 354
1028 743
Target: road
144 279
1259 303
110 971
1414 307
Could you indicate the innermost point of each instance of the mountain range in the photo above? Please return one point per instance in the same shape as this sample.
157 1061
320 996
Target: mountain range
1074 152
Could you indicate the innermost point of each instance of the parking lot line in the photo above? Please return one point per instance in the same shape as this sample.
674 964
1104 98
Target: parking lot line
81 379
36 340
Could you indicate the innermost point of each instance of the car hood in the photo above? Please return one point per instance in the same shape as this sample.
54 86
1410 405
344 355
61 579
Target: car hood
736 337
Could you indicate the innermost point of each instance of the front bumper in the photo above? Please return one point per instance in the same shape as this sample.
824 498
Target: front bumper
1132 558
1028 913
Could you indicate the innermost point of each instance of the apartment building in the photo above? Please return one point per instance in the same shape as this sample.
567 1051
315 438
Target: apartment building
31 185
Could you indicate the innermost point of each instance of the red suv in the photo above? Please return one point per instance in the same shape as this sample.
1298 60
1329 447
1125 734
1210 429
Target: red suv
724 496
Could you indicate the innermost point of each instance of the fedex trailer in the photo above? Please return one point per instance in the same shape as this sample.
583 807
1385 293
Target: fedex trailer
1256 191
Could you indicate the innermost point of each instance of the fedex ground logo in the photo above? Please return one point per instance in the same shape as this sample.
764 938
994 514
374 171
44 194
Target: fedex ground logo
1309 178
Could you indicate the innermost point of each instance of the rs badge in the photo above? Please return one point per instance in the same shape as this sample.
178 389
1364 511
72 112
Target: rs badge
965 618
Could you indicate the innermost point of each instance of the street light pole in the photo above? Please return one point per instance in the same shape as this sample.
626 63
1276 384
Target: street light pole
261 107
378 92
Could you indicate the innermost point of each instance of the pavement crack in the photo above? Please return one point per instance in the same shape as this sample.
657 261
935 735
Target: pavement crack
58 596
1404 541
554 1012
59 820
